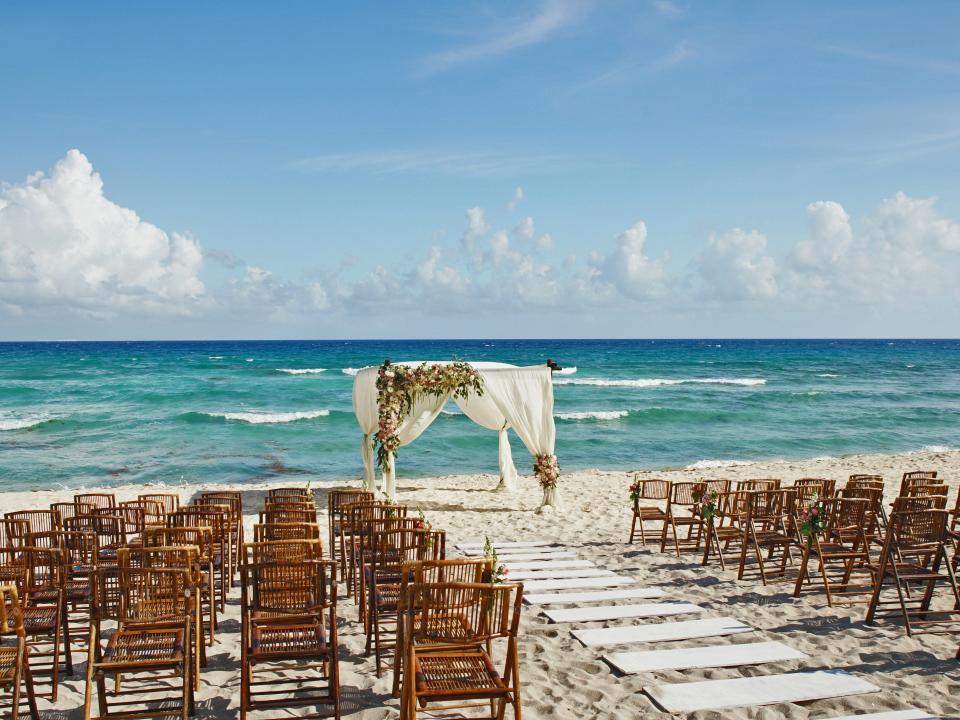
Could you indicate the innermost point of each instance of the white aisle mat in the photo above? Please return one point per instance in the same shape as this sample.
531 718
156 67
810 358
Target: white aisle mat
708 656
662 632
526 552
761 690
558 573
549 564
911 714
620 612
567 598
575 583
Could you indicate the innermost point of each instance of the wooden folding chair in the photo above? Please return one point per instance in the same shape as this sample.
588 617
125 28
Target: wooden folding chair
459 570
765 529
681 513
450 653
656 492
390 550
336 501
916 476
154 609
98 500
840 551
288 629
37 574
169 502
914 557
756 484
13 533
285 531
15 658
294 494
70 509
357 517
200 538
727 526
217 518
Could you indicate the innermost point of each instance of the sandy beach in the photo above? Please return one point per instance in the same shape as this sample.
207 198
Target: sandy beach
562 678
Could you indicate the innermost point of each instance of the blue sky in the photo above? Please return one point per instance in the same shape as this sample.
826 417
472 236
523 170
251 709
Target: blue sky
553 168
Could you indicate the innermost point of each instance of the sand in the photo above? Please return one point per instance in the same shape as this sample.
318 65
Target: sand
562 678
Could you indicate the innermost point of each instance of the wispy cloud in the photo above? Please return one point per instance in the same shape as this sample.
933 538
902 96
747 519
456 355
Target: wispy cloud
894 60
550 18
667 8
681 53
439 162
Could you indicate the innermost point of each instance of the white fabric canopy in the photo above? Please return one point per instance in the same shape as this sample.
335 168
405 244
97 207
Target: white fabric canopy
514 397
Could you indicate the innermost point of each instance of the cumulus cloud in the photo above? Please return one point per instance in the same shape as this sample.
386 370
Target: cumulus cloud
735 266
515 200
891 257
476 228
525 229
627 271
63 243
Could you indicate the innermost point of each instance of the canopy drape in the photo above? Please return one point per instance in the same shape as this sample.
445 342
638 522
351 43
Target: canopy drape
514 397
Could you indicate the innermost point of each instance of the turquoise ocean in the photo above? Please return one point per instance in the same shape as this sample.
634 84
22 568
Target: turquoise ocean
82 414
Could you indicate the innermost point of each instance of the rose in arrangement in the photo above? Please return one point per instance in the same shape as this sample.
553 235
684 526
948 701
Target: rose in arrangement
547 470
636 488
706 500
811 517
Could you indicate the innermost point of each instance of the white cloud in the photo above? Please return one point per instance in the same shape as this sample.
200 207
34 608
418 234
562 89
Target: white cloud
892 259
734 266
626 272
63 243
509 34
830 236
525 229
476 228
516 199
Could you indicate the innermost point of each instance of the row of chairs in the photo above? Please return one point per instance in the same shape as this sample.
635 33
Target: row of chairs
861 552
149 578
440 617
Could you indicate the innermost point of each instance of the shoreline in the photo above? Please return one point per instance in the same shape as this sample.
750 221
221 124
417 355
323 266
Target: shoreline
706 469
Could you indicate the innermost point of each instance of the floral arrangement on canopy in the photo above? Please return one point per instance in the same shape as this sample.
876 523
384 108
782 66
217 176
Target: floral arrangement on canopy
399 387
547 470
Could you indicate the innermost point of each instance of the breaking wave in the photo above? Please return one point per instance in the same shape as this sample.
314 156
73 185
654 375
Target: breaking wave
302 371
595 415
265 418
659 382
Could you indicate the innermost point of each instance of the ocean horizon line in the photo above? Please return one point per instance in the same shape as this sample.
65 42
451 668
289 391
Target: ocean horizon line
483 339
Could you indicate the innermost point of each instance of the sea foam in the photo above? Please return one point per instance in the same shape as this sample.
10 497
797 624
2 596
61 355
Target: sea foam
594 415
566 371
350 371
716 464
14 423
659 382
302 371
262 418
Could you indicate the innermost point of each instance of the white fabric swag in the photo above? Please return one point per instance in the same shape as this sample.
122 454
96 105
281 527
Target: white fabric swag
514 397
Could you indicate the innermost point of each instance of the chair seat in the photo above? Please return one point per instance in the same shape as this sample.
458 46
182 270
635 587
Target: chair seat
453 675
387 596
155 647
649 512
287 641
8 664
42 618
